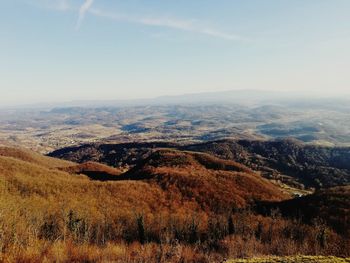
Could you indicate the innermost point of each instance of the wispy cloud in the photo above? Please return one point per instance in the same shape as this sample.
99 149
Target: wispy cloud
188 25
173 23
82 11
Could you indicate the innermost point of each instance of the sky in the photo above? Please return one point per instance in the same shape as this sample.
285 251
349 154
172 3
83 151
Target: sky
64 50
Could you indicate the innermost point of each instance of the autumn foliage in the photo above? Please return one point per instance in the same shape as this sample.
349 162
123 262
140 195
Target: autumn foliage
172 207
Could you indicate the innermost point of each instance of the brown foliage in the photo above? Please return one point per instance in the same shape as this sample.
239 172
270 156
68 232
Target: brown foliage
183 212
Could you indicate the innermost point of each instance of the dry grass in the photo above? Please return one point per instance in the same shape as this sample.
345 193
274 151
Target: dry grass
295 259
119 253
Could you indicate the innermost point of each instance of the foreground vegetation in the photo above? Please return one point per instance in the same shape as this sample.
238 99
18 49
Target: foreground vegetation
296 259
122 253
172 208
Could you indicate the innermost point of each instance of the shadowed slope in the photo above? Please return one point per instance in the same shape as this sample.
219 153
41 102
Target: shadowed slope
332 206
313 166
95 171
110 154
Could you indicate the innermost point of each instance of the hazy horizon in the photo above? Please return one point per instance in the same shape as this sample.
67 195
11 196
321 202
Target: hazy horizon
69 50
240 96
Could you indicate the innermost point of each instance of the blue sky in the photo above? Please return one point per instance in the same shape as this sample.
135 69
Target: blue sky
62 50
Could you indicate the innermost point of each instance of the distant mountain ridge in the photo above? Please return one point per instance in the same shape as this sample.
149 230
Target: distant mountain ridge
240 96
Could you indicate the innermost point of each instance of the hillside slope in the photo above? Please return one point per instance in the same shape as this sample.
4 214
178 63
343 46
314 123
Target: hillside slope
172 206
32 157
289 161
312 166
166 181
215 184
331 206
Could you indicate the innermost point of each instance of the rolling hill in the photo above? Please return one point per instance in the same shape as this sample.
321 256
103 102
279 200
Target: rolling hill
33 158
215 184
169 200
312 166
288 161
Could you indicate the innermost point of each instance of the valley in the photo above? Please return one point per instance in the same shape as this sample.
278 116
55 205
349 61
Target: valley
47 129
